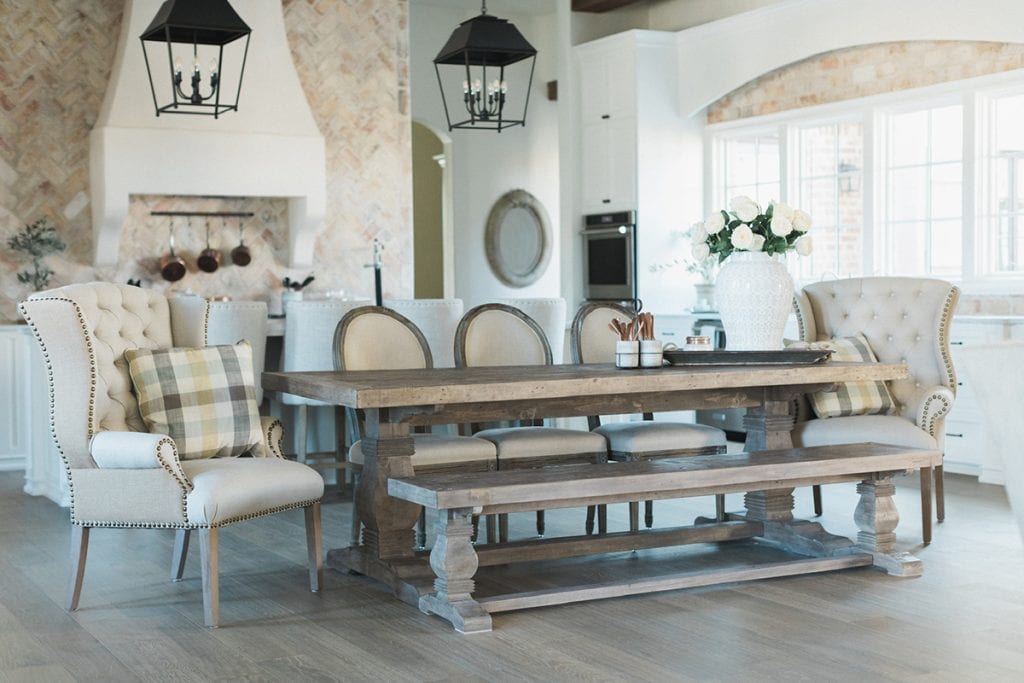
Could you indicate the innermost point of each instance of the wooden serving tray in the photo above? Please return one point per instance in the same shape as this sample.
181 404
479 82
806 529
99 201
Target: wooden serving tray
781 357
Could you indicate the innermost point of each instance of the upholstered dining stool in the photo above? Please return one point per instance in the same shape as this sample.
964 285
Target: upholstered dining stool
903 320
496 335
123 476
437 319
591 341
549 314
308 339
231 321
378 338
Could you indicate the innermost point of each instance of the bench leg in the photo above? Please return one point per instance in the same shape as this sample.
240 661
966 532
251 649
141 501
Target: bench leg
454 562
876 517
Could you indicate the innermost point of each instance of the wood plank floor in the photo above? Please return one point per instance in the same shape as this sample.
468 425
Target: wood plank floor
963 620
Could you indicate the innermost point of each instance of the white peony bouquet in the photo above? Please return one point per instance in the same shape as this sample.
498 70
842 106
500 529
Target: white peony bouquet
779 229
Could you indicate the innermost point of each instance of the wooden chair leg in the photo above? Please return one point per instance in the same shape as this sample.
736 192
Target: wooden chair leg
503 528
816 493
940 493
591 515
79 550
314 547
602 519
421 529
926 505
492 525
634 516
540 523
181 539
476 529
648 513
301 422
720 507
211 576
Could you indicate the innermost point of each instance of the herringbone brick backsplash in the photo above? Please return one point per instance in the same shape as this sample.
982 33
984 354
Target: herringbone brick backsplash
352 60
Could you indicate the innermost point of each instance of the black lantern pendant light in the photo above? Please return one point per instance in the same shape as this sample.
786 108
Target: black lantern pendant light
484 46
184 25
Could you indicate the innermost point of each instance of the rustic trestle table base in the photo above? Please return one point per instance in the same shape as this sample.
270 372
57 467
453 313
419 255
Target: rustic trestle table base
389 494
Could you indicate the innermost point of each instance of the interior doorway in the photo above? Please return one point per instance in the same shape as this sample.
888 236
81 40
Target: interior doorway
433 248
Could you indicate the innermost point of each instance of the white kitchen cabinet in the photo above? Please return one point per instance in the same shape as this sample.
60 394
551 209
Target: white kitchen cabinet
965 451
25 439
15 417
609 166
636 151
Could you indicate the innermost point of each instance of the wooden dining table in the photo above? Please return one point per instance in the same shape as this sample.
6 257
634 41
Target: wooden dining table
396 401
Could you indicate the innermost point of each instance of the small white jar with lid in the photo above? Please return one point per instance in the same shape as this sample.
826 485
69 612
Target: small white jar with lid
698 343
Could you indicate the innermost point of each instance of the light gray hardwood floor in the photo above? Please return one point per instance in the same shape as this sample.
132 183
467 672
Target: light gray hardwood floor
963 620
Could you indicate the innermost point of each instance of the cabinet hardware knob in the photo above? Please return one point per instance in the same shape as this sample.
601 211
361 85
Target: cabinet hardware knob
956 343
606 201
959 436
605 116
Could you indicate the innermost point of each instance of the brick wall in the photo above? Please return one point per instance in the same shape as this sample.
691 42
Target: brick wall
352 60
865 70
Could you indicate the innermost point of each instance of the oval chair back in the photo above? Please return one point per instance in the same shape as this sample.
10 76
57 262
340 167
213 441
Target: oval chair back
498 334
378 338
590 339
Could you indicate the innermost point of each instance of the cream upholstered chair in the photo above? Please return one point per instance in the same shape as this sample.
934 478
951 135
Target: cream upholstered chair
905 320
229 321
122 476
549 313
377 338
496 335
591 341
308 337
437 319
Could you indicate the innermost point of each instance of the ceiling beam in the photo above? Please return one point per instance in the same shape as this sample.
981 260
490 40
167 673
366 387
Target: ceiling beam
600 5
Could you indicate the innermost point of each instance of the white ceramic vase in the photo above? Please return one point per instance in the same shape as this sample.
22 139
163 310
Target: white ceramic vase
754 293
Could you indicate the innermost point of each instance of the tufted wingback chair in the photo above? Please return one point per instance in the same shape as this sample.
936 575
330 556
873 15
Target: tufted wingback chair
122 476
905 320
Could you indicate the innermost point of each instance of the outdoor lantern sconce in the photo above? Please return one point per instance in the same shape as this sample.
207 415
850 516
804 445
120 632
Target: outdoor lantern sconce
183 26
481 48
849 177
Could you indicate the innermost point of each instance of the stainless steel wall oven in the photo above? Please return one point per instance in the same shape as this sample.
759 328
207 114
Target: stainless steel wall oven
609 256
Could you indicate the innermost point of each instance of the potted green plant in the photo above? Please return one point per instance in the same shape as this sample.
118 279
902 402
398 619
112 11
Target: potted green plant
36 241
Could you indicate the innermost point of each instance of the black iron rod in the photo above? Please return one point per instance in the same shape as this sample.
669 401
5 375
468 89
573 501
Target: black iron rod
224 214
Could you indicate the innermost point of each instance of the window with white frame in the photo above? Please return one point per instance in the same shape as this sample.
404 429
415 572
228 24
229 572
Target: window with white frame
750 166
829 186
887 183
1001 215
922 192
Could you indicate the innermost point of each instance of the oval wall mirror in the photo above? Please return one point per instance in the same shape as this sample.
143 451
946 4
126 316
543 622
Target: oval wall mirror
518 238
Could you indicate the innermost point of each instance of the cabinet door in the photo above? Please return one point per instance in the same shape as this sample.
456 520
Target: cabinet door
609 166
607 85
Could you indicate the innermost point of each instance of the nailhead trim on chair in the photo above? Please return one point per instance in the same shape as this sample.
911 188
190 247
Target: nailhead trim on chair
944 325
801 324
929 422
240 518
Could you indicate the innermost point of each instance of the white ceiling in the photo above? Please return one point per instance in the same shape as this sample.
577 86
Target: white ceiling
497 7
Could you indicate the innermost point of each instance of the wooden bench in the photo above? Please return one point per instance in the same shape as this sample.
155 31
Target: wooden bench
768 477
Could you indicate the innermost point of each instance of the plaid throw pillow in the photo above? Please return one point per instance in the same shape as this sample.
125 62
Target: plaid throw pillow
852 398
203 398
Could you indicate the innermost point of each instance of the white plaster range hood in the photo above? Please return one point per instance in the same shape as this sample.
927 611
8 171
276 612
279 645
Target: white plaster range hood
271 147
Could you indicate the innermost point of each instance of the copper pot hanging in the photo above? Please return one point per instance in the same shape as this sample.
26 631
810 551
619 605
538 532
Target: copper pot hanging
240 255
172 266
209 259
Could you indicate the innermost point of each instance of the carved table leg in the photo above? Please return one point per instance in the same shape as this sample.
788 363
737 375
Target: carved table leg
387 552
454 562
768 427
876 517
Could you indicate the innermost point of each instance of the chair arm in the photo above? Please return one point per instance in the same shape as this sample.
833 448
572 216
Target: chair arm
137 450
273 435
929 405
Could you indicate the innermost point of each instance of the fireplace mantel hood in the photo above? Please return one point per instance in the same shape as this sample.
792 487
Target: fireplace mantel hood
271 147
